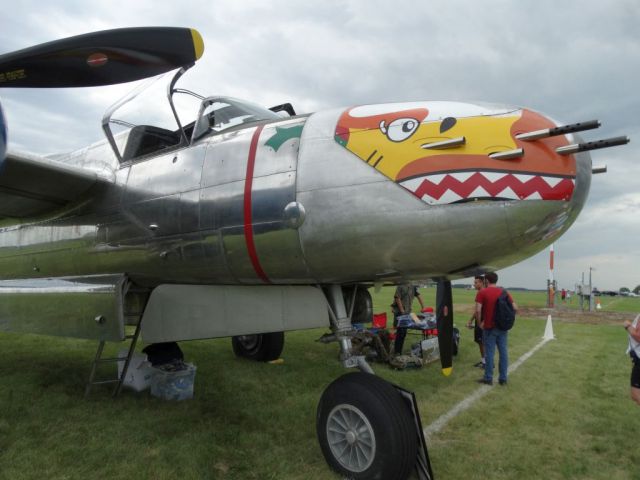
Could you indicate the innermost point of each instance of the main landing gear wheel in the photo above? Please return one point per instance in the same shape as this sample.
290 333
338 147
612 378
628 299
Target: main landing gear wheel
262 347
365 429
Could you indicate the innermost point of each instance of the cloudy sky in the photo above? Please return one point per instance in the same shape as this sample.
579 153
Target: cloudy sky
573 60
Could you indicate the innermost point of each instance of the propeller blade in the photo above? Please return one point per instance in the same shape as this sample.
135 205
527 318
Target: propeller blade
444 316
101 58
3 136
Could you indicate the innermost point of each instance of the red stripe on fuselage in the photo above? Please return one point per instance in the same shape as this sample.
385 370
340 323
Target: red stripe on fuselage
248 214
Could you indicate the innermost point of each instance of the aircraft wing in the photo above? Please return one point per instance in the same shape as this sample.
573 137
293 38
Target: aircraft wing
31 185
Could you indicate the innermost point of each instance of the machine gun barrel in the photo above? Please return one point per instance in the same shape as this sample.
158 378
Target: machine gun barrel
584 147
562 130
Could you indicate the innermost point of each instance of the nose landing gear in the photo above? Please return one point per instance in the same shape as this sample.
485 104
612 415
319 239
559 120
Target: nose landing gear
365 429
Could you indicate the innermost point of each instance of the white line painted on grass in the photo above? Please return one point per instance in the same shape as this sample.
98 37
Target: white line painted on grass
465 404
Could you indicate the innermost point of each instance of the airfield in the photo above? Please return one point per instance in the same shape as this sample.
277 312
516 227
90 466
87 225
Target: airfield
565 414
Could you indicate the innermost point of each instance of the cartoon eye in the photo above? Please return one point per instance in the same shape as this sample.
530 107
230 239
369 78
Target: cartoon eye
447 124
400 129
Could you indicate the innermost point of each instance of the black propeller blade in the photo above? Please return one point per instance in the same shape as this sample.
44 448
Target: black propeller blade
101 58
3 136
444 316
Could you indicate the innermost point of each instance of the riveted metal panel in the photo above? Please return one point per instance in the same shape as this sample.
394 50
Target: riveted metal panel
188 312
81 307
172 173
245 194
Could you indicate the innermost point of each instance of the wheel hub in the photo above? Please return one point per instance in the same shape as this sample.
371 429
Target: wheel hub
249 342
351 438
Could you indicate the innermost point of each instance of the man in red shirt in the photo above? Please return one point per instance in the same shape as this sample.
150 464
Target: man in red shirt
491 335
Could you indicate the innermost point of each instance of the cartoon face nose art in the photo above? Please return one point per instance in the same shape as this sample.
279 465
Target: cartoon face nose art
400 129
447 152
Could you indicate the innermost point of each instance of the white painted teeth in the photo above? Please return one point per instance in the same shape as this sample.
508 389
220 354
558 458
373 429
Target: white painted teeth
414 183
553 181
493 176
508 193
450 196
479 193
462 176
524 178
436 178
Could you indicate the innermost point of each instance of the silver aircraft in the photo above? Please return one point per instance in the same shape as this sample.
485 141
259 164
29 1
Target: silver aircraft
197 211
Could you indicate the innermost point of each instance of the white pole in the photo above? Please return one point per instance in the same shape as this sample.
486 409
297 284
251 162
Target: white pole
550 289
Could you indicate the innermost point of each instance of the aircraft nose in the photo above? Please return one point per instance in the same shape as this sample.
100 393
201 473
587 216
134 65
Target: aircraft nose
450 152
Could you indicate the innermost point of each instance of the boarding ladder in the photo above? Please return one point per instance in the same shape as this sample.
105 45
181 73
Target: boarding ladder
135 300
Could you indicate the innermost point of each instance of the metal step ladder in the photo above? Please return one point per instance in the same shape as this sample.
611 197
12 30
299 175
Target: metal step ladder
135 300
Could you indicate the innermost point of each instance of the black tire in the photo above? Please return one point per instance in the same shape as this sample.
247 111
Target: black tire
262 347
366 429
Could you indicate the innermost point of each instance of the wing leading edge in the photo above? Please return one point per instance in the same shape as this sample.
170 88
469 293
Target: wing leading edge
31 185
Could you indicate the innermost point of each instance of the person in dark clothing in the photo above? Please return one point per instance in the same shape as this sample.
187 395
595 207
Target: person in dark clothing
474 321
633 330
402 303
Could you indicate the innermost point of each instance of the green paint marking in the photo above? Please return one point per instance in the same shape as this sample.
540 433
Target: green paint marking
282 135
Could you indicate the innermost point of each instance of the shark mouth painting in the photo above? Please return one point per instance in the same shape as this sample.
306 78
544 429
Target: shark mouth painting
457 187
450 152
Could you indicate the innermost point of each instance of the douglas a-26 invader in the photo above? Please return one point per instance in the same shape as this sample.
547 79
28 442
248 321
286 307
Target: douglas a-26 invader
187 230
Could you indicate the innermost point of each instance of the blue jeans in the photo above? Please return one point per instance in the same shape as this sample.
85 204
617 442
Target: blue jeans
491 338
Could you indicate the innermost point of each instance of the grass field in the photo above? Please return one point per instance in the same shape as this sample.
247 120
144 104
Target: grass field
566 413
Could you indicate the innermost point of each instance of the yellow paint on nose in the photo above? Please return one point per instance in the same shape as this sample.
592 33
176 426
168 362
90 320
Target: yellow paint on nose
447 371
483 135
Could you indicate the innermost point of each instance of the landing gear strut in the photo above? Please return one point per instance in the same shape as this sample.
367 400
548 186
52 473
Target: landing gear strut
341 327
365 428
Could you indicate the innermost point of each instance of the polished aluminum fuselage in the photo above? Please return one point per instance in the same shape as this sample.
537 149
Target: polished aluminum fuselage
306 212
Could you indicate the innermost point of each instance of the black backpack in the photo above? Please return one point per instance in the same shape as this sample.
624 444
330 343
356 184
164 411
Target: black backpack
504 314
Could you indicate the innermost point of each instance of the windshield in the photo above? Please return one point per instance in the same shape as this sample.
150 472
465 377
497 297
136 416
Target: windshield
221 113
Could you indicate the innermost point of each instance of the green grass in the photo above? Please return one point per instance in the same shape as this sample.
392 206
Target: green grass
461 297
565 414
608 304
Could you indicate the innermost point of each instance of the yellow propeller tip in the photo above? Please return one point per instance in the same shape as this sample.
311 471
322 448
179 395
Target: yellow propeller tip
447 371
198 43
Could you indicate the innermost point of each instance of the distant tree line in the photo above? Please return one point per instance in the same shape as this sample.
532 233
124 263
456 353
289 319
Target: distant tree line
626 291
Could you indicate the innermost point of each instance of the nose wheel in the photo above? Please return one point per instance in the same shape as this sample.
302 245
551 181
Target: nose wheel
366 429
351 438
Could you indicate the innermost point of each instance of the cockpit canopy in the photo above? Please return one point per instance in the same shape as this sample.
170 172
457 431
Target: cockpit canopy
218 114
145 126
